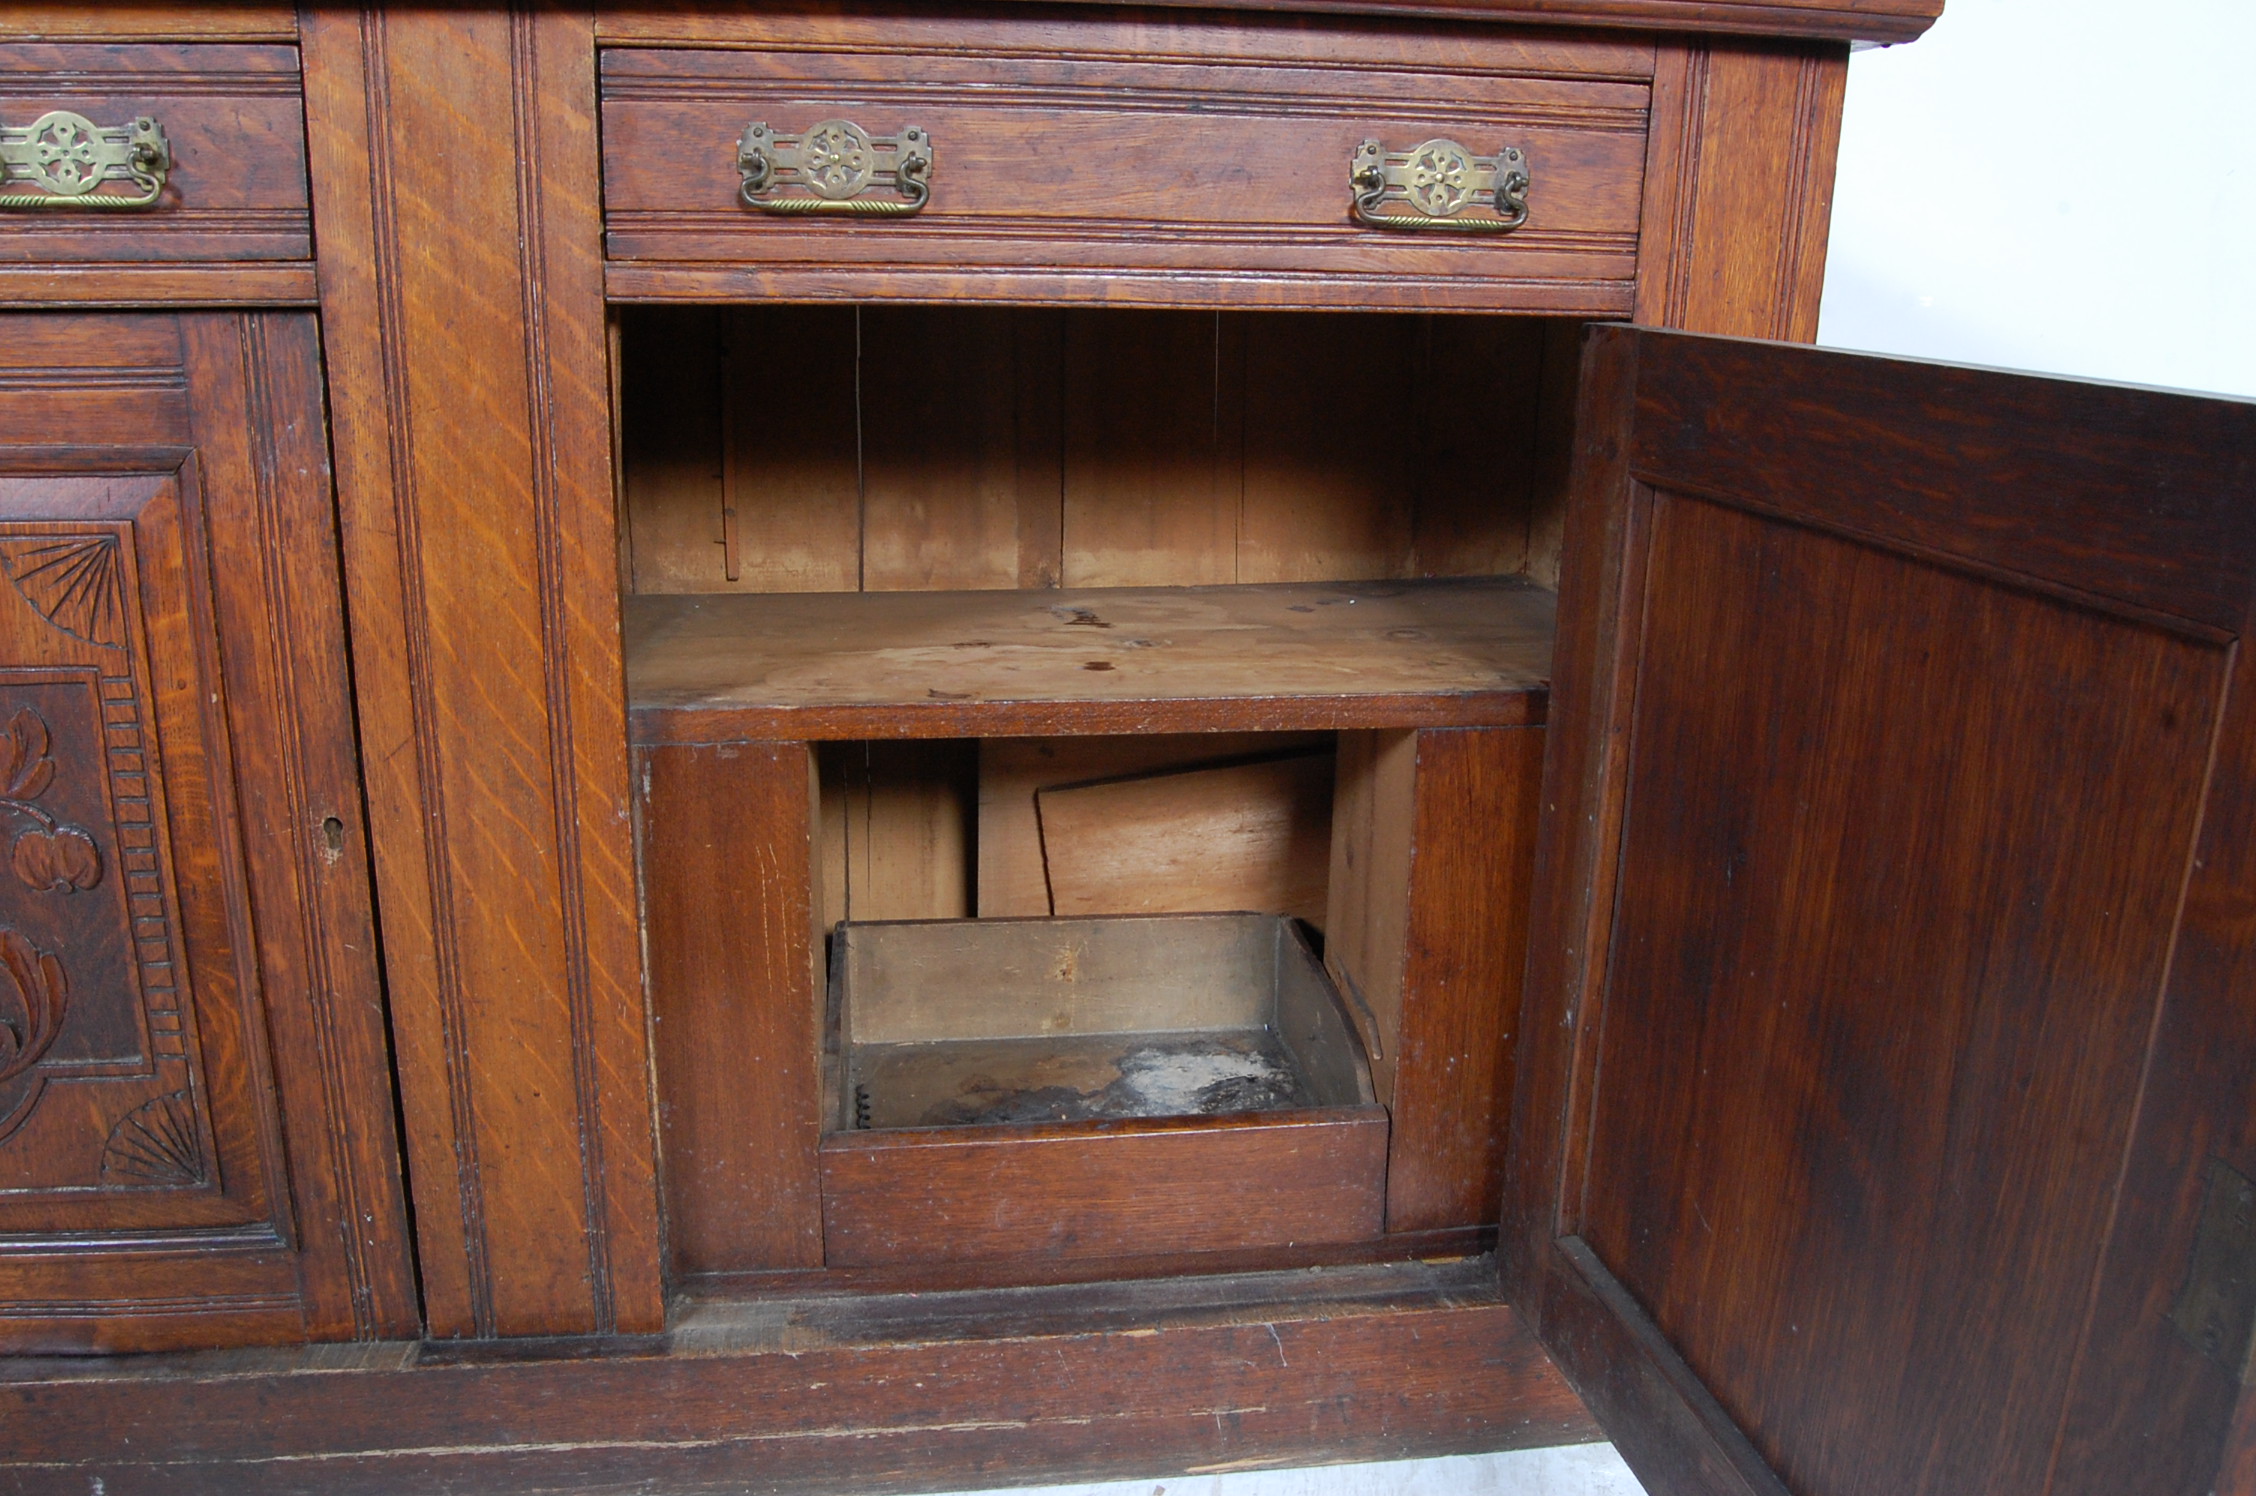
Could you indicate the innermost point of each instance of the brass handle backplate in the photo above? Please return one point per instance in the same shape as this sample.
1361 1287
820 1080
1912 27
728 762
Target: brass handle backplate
827 168
1431 186
68 157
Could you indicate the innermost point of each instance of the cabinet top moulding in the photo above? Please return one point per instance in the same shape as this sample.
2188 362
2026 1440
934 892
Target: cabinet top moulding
1835 20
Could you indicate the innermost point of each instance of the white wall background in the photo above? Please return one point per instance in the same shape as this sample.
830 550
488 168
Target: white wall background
2056 185
2061 185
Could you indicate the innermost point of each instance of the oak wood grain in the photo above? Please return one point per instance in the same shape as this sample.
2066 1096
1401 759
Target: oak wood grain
466 356
1739 187
159 283
809 448
150 23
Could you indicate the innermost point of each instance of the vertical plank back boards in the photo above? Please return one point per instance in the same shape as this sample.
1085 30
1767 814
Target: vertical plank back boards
466 355
1882 1017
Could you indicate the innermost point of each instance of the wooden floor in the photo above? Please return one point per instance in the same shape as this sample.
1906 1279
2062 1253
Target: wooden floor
704 667
829 1392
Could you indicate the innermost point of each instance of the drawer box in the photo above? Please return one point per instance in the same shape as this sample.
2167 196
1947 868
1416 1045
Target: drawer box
233 119
1131 179
1070 1088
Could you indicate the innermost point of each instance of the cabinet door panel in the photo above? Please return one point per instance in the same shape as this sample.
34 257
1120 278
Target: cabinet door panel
196 1143
1896 709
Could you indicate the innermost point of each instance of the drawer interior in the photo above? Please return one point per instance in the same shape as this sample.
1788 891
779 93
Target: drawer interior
1010 1021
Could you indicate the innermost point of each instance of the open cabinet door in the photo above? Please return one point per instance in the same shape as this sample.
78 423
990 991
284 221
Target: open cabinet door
1885 1122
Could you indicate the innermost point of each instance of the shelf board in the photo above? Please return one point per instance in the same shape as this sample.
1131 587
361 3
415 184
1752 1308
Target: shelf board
724 667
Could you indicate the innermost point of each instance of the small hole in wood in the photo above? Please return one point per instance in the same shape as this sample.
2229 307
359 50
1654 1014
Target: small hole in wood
332 837
1098 665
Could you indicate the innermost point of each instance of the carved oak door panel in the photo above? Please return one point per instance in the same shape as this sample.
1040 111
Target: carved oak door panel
196 1135
1888 1102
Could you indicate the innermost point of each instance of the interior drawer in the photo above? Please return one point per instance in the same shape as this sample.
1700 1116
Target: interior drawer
1029 1089
1172 179
232 122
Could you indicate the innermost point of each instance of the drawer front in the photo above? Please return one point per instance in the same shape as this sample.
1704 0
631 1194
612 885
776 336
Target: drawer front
233 124
1154 180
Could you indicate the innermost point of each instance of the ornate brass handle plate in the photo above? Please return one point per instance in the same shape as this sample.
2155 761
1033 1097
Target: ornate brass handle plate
828 168
67 157
1431 186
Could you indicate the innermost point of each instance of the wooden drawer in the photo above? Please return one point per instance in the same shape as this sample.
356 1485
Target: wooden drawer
1035 1090
1159 163
233 117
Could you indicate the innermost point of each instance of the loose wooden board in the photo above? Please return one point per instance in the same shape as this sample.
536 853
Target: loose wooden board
1013 877
1232 836
929 664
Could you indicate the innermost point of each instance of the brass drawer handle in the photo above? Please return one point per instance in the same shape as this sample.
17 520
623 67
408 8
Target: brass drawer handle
67 156
832 164
1438 181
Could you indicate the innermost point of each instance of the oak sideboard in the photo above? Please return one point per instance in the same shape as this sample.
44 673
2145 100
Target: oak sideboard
893 745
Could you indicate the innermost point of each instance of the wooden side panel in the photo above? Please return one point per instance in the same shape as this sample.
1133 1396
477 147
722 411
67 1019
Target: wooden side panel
1739 187
1472 864
467 355
1426 936
671 429
728 843
1103 1190
899 828
1367 907
196 1139
1875 903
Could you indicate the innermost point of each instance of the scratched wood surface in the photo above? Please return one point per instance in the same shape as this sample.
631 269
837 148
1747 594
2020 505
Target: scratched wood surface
833 665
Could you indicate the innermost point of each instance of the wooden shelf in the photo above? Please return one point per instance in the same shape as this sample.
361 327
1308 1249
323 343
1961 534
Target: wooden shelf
720 667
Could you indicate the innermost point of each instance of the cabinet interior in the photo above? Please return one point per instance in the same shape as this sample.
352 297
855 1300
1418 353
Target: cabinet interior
1080 614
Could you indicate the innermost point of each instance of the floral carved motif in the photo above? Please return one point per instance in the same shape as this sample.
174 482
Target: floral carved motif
76 582
48 854
32 1003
